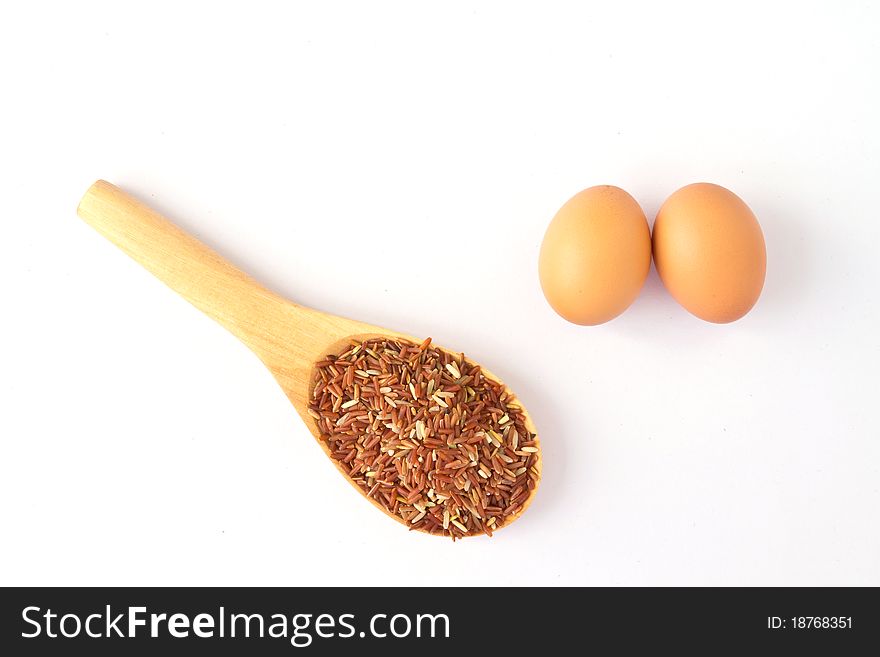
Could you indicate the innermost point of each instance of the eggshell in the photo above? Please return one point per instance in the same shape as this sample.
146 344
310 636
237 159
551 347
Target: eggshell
709 251
595 255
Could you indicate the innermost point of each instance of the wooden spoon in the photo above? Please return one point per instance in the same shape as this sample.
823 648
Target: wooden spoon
287 337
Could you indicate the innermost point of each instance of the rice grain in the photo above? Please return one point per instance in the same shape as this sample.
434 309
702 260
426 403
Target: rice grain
427 435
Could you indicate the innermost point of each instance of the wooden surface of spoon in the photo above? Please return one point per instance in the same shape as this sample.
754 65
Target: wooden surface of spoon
287 337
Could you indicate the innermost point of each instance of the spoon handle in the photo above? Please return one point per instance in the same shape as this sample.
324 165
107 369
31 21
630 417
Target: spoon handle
210 283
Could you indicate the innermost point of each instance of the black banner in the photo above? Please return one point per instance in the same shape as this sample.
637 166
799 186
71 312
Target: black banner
443 621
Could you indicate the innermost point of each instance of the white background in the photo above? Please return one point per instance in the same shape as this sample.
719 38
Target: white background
427 147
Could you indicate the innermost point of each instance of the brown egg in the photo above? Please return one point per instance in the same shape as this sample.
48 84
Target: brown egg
709 251
595 256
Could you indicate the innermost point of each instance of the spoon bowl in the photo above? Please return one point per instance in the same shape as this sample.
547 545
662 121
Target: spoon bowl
287 337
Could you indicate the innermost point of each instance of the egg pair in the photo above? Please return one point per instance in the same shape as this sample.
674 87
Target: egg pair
707 246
